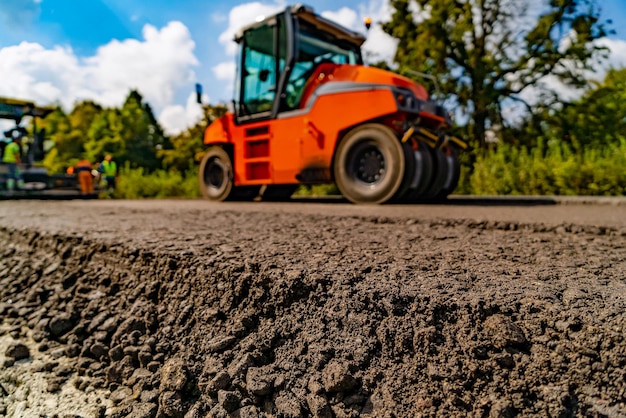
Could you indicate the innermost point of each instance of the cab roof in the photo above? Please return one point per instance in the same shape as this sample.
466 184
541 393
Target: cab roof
307 14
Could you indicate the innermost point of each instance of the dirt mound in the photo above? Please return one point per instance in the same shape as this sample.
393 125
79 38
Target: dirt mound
339 317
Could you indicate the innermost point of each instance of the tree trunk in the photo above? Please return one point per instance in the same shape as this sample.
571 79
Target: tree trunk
480 119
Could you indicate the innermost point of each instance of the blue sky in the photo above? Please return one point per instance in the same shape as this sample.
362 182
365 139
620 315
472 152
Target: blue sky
60 51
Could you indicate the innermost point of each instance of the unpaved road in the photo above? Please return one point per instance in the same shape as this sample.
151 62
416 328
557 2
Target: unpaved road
191 309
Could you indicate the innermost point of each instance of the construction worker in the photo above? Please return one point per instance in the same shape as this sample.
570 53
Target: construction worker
85 178
108 168
12 157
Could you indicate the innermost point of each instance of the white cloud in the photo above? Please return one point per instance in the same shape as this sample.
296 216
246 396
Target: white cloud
157 66
379 46
344 16
225 71
617 56
243 15
176 118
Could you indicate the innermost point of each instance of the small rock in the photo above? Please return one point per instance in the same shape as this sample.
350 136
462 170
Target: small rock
221 381
144 357
114 374
288 406
319 406
109 325
17 351
171 404
8 362
139 375
72 350
100 336
119 411
120 394
143 410
54 384
60 324
198 410
127 327
50 366
258 382
63 370
219 344
218 411
337 378
239 369
57 352
116 353
131 351
43 347
246 412
153 366
173 375
315 386
230 400
503 331
39 336
98 350
97 321
149 396
501 409
505 360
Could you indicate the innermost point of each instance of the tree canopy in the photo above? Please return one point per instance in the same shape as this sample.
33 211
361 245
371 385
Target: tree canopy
131 133
486 52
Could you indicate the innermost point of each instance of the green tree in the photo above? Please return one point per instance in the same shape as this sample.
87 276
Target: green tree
142 134
130 133
57 127
187 148
485 52
105 135
598 118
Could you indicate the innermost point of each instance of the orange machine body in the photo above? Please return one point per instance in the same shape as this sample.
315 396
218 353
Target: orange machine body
298 146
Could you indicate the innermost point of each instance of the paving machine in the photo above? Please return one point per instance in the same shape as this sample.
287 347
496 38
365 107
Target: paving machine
308 111
35 180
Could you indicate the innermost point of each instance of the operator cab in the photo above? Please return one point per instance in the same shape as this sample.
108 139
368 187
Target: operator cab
279 54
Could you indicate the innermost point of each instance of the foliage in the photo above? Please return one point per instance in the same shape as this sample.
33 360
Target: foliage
186 148
551 170
485 52
596 119
135 183
318 190
131 133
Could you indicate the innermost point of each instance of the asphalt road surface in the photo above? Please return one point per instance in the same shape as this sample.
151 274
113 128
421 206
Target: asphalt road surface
181 308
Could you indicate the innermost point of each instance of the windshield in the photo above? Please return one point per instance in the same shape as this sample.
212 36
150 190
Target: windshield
316 47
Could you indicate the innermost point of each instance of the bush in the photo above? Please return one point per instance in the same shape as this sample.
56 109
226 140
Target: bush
552 169
136 183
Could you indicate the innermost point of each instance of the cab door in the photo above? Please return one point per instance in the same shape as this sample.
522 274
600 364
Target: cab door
260 155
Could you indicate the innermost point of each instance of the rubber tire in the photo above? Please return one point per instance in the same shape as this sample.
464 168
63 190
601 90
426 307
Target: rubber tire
440 170
423 162
409 173
387 143
216 158
453 174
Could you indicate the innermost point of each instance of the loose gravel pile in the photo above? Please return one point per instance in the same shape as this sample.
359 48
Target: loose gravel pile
260 314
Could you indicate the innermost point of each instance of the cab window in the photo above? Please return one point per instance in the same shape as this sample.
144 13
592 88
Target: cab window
260 70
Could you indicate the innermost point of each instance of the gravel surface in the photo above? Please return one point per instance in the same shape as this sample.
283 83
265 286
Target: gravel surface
489 308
